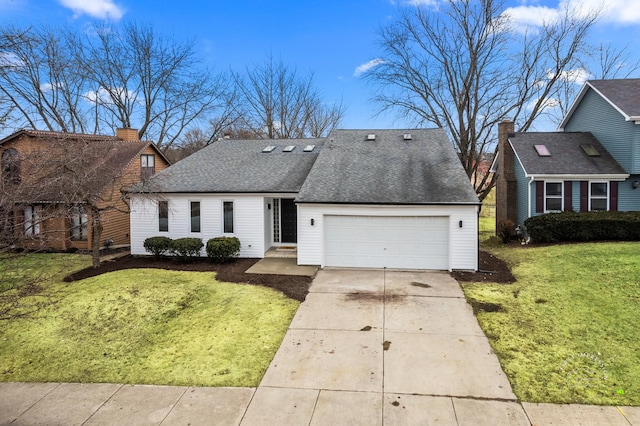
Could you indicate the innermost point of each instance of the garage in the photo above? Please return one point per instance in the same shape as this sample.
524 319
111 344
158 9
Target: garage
400 242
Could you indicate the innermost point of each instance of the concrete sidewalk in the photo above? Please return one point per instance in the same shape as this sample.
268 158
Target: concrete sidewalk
365 348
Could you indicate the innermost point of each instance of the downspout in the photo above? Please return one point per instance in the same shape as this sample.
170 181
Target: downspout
531 179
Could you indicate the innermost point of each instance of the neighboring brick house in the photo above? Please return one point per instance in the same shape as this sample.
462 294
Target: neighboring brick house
591 164
52 181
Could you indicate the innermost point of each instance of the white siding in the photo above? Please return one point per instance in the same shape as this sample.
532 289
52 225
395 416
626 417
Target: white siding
463 241
248 220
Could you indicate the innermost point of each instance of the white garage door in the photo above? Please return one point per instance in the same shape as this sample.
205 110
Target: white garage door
393 242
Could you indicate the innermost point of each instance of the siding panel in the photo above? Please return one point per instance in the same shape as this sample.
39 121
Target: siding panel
597 116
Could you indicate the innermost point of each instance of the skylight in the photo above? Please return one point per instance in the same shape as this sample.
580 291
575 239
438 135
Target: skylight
590 150
309 148
288 148
407 136
371 137
269 148
542 151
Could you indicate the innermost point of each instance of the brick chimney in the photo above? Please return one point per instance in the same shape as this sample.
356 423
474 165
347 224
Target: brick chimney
127 134
506 189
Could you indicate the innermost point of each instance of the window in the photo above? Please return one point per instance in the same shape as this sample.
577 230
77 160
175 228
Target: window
10 166
227 209
79 228
553 196
195 216
599 196
147 166
163 216
31 221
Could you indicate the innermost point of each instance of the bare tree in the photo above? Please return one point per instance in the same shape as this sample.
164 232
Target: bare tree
38 79
462 67
276 102
107 78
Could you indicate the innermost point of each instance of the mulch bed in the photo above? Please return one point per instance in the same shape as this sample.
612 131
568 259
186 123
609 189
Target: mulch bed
295 287
492 269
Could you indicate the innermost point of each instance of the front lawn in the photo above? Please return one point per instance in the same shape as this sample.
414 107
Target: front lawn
567 330
147 326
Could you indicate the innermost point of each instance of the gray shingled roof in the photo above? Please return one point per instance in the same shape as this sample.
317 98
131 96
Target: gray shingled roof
566 155
238 166
389 170
623 93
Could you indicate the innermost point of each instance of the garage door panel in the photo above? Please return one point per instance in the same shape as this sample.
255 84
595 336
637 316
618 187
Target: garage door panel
416 242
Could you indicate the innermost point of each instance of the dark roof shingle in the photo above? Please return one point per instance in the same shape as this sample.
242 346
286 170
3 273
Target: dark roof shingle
567 157
240 166
388 170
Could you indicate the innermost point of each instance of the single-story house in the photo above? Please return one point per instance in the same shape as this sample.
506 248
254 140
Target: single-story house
591 164
357 198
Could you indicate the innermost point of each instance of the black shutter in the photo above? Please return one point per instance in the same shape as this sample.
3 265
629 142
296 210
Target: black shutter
539 196
613 196
584 196
568 195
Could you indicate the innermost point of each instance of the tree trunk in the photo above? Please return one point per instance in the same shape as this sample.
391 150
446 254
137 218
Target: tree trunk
96 235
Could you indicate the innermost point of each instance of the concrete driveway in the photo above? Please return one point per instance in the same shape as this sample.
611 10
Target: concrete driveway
373 346
365 348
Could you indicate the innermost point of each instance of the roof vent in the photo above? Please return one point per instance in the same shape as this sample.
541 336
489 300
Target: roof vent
269 148
590 150
407 136
289 148
542 151
371 137
309 148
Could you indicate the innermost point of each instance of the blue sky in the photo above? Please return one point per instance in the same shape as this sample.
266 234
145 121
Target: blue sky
331 38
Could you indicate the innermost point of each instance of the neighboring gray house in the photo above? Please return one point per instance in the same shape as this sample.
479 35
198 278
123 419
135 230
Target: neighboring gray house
358 198
592 163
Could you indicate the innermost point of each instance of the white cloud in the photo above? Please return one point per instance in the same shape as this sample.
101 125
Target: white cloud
611 11
578 76
10 60
367 66
48 87
101 9
103 96
548 103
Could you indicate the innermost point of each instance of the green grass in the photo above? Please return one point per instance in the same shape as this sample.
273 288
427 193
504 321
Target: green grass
148 327
567 330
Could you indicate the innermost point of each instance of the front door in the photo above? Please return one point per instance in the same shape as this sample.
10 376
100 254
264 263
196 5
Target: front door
289 221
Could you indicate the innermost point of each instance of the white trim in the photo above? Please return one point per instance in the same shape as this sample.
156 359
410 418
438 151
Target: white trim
607 198
571 177
545 196
233 217
189 217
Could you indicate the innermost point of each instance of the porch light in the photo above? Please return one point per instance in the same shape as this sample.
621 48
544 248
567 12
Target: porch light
460 224
312 222
635 184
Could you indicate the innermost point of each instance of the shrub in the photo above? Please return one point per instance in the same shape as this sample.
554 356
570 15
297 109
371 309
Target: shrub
584 226
187 248
223 249
158 246
505 230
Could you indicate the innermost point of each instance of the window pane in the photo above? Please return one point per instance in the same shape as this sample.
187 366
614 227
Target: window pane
554 188
554 204
599 189
228 216
195 216
163 216
599 204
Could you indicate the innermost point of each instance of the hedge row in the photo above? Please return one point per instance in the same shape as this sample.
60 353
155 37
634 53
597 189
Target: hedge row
584 226
219 249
